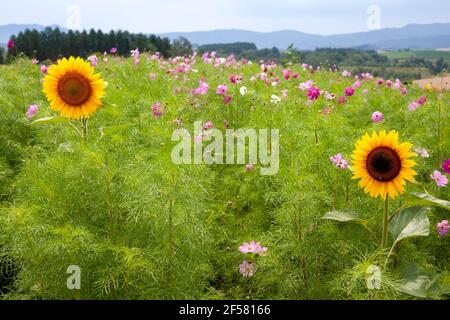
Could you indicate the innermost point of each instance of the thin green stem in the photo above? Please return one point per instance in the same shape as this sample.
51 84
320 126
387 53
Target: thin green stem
384 239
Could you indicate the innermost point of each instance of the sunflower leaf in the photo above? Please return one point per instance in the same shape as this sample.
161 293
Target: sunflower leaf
428 200
410 222
414 282
49 120
342 216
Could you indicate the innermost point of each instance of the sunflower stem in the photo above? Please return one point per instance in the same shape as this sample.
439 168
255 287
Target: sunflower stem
384 239
84 127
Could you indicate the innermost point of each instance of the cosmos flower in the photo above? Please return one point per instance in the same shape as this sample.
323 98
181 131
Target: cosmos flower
422 152
422 100
248 247
383 165
157 110
404 91
249 167
93 60
202 89
342 100
34 61
44 69
227 99
32 111
413 106
113 50
446 166
306 85
339 161
443 228
208 125
222 89
439 178
350 91
313 93
10 44
275 99
247 269
377 117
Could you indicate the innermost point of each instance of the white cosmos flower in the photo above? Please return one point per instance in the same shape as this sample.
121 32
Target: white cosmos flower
275 99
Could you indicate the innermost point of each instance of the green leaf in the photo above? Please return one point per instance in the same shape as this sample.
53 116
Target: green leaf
414 282
410 222
427 200
50 120
341 216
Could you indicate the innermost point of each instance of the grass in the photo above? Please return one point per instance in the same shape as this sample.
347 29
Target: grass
141 227
432 55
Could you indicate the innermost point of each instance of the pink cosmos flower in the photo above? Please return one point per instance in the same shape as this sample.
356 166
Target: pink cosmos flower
443 228
439 178
339 161
93 60
404 91
227 99
34 61
248 247
295 75
446 166
32 111
247 269
249 167
10 44
350 91
306 85
44 69
380 82
357 84
342 100
202 89
313 93
222 89
136 56
208 125
422 100
113 50
413 106
157 110
389 83
377 117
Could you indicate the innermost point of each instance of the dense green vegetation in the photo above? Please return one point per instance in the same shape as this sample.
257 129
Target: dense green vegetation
141 227
51 44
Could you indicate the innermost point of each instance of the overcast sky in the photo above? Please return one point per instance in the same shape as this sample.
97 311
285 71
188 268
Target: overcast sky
312 16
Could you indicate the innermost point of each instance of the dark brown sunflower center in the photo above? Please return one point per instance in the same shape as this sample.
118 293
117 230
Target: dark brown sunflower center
383 164
74 89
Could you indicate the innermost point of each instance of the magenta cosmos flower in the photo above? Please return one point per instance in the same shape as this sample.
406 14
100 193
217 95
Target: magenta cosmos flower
313 93
32 111
249 167
377 116
422 100
247 269
113 51
446 166
339 161
157 110
439 178
443 228
222 89
10 44
208 125
349 92
44 69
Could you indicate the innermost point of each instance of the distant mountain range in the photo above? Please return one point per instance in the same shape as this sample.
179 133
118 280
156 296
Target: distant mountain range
413 36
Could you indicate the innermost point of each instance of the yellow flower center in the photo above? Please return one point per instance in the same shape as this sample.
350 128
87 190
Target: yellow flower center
74 89
384 164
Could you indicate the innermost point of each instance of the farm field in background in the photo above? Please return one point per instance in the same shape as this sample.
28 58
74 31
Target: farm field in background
106 196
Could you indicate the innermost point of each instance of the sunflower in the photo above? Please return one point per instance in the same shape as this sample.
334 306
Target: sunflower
73 88
383 165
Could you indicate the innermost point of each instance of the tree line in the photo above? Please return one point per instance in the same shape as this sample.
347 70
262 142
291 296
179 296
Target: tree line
52 43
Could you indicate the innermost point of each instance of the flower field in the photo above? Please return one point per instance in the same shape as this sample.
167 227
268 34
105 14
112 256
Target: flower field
356 208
